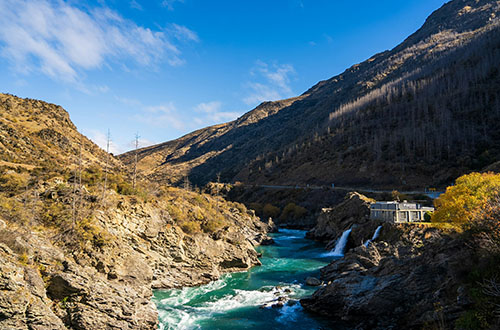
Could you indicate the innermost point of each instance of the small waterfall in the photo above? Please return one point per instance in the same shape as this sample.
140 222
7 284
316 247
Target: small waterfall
340 246
375 235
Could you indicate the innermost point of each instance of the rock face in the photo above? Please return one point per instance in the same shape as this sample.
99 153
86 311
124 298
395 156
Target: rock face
23 300
109 286
353 213
312 281
407 280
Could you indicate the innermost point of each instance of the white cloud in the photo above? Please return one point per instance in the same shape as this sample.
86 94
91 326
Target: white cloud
61 40
130 102
212 114
273 82
209 107
102 89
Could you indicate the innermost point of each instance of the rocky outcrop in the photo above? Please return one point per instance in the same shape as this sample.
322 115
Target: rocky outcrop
354 210
23 300
408 279
353 213
108 284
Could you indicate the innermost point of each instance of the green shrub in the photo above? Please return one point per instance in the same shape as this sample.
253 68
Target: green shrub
470 320
13 183
88 230
294 211
428 216
212 225
54 214
271 211
257 207
190 227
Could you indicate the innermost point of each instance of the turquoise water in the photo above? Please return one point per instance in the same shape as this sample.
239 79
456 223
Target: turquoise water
235 300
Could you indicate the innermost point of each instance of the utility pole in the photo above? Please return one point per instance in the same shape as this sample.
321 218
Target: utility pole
106 168
135 161
80 161
217 191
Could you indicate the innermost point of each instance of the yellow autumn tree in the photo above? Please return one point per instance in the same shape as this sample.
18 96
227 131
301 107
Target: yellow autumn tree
462 202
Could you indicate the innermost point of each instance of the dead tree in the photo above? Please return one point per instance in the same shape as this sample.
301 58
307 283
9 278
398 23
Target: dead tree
106 168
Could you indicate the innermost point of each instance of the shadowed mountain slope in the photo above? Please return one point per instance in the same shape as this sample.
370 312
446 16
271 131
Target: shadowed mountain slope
418 115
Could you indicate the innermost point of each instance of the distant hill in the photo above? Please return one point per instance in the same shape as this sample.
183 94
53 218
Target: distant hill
418 115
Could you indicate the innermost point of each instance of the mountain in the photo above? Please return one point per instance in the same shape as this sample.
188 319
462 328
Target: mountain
416 116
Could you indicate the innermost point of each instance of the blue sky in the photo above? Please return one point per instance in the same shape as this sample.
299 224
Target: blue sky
163 68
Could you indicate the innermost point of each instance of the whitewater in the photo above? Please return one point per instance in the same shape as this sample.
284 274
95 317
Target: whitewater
236 300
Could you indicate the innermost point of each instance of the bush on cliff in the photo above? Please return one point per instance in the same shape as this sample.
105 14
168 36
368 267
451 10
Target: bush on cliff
473 205
190 227
461 203
212 225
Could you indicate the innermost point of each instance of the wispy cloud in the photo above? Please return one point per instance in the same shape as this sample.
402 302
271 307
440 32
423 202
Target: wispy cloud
182 33
271 82
101 139
163 115
211 113
135 5
62 41
169 4
142 143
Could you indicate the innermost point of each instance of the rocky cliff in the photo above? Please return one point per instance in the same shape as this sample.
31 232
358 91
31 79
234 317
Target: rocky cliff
49 279
352 213
37 133
411 278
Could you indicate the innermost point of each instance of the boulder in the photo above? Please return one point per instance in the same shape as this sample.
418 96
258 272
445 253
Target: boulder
313 281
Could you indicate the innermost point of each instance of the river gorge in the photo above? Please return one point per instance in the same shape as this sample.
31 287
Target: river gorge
244 300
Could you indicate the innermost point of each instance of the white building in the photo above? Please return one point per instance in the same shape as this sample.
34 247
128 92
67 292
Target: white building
398 212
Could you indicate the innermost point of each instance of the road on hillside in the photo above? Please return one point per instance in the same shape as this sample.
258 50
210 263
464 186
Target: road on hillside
431 194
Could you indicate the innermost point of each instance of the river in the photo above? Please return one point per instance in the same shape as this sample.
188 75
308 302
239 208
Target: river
234 301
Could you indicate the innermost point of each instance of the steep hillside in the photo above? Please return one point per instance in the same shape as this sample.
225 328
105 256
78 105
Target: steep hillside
36 133
415 116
